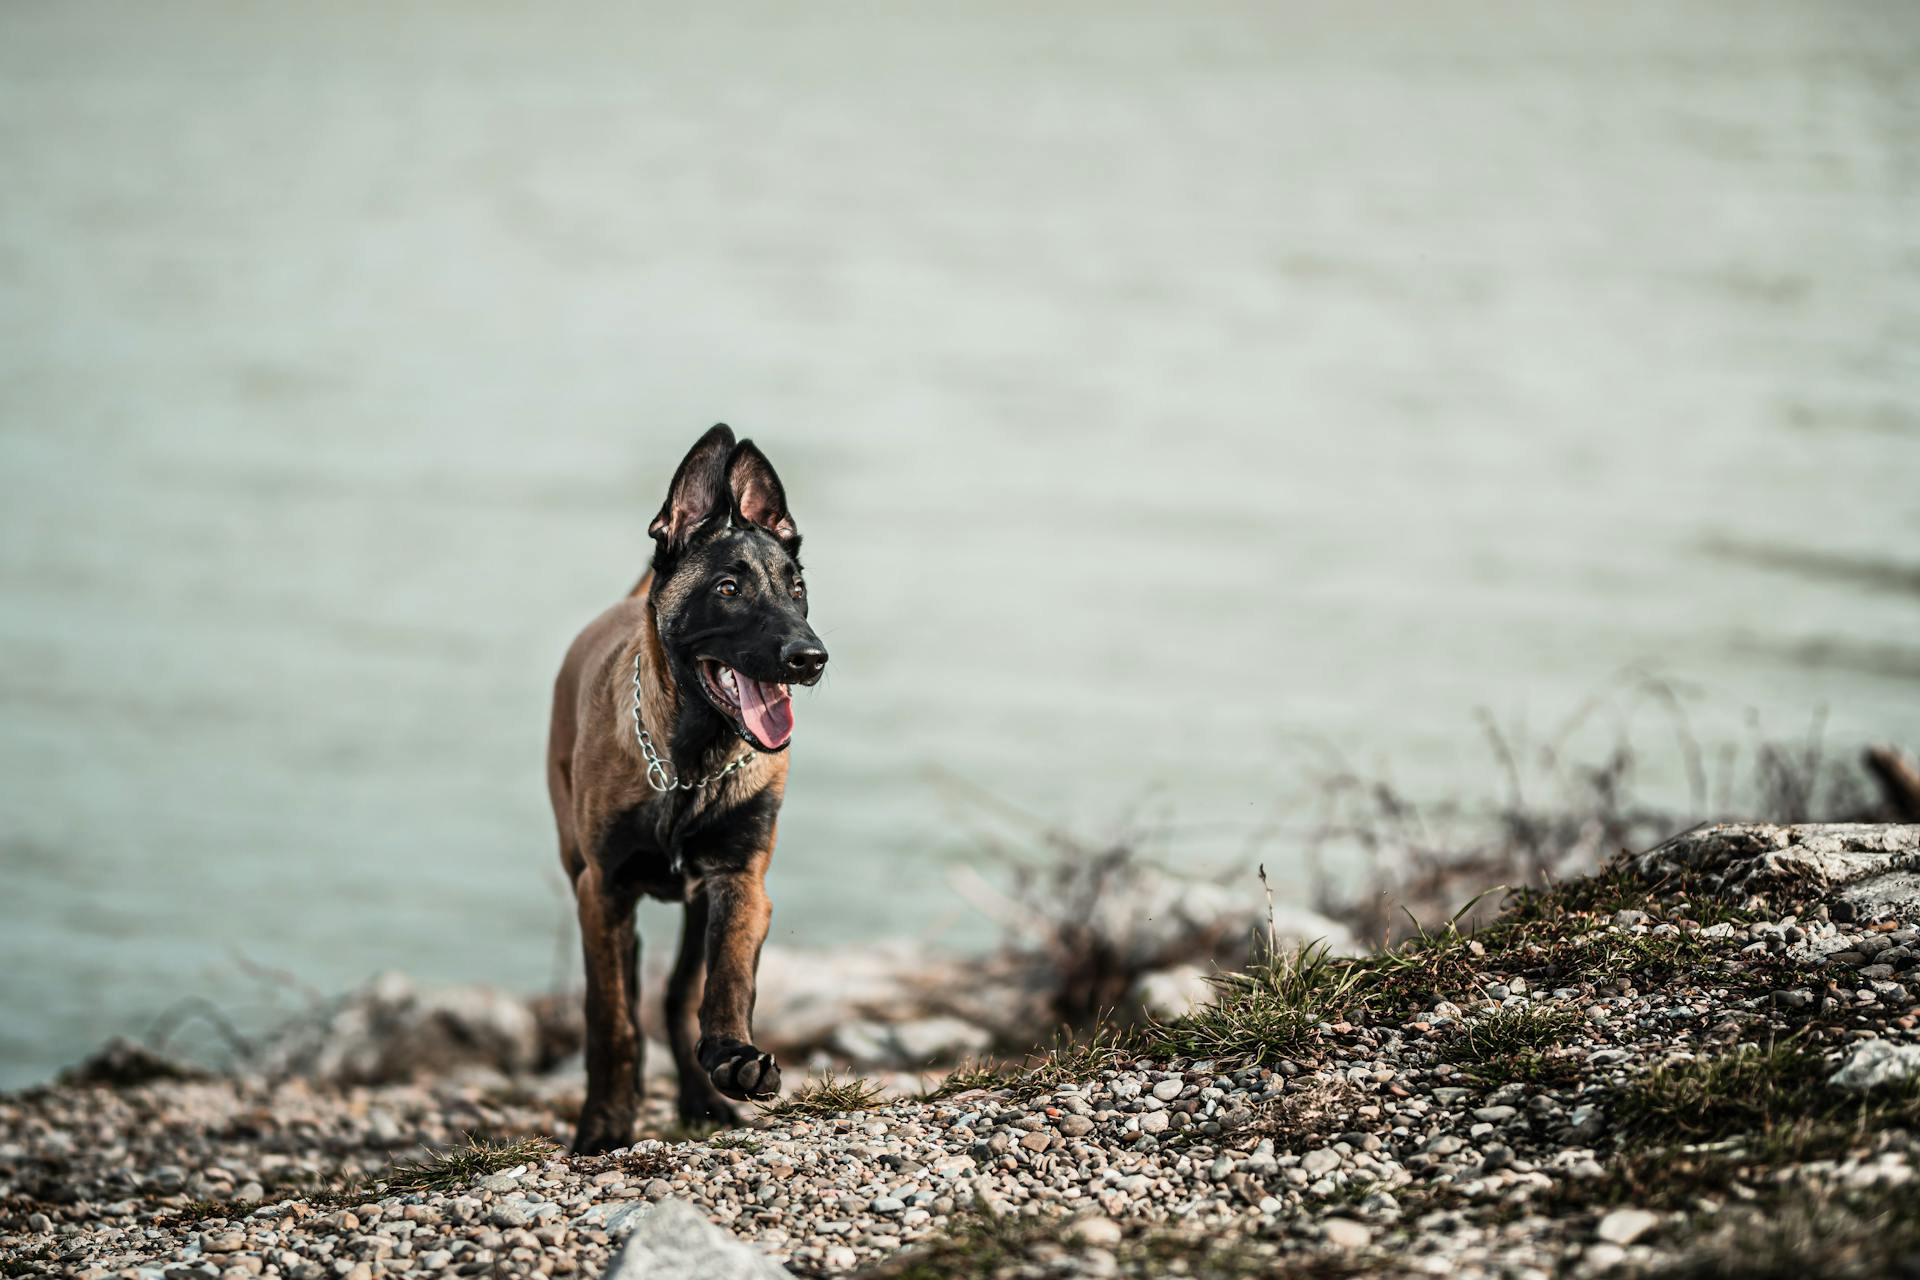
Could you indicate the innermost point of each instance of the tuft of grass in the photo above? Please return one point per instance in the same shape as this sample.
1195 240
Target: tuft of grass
1518 1044
1512 1030
736 1140
1070 1060
454 1168
1272 1010
205 1211
969 1076
827 1096
1075 1060
1645 958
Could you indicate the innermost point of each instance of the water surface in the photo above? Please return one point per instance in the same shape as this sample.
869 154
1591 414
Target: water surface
1158 389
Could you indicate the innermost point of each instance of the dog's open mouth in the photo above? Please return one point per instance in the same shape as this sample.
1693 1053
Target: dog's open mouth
763 712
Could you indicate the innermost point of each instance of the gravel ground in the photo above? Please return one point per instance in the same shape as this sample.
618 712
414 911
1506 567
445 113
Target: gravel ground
1460 1139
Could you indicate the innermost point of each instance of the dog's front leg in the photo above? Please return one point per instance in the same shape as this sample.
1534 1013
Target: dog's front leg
613 1037
738 913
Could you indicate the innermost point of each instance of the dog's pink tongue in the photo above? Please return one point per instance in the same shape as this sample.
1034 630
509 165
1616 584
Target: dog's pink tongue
767 709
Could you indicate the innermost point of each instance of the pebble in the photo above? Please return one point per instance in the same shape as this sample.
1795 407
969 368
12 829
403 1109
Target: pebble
1322 1161
1345 1233
1624 1226
1104 1232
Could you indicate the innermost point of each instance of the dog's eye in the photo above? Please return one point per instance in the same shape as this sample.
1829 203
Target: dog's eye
799 588
728 587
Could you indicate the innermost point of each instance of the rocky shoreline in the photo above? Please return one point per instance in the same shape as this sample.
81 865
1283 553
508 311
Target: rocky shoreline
1703 1060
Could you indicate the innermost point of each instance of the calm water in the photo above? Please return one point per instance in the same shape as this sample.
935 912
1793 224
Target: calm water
1157 393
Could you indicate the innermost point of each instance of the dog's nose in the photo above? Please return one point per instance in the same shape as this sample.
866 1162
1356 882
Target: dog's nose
803 661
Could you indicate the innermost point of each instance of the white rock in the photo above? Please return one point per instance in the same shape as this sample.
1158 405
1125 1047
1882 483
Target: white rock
673 1240
615 1217
1095 1231
915 1042
939 1039
805 996
1601 1257
1624 1226
1173 993
393 1029
1345 1233
1323 1160
1872 865
1878 1062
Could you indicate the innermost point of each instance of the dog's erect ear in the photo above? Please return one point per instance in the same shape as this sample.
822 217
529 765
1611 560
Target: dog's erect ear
699 488
757 495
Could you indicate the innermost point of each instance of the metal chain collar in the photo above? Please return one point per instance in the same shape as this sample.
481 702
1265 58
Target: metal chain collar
659 777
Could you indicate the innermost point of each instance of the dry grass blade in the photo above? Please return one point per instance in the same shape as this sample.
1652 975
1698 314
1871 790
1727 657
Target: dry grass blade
827 1096
454 1168
1074 1060
969 1076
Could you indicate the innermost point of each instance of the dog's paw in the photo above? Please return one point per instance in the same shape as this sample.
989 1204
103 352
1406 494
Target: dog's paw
598 1135
739 1070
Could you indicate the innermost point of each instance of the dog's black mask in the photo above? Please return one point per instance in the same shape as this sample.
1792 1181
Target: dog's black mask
728 593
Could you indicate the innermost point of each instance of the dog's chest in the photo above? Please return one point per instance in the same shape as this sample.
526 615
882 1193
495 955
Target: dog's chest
636 850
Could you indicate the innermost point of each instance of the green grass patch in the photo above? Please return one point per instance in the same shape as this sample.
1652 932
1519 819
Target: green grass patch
827 1096
1519 1044
735 1140
1649 959
1755 1092
1556 937
1777 1095
1270 1011
1075 1060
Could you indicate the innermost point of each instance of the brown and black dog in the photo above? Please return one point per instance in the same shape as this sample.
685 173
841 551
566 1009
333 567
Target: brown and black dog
666 762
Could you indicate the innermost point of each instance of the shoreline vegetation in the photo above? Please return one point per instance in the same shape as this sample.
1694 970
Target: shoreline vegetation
1556 1056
